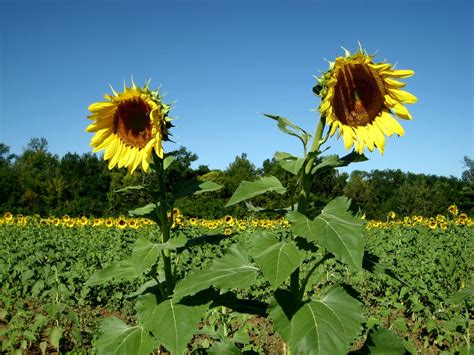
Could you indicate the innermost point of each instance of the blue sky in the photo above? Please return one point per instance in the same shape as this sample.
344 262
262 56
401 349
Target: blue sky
224 62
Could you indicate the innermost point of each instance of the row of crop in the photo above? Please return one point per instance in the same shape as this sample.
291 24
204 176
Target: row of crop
411 275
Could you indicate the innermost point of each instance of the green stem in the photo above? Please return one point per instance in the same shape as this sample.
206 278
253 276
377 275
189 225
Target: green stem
303 198
165 225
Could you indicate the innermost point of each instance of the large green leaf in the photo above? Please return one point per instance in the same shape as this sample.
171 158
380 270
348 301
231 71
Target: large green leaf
283 305
224 348
173 324
144 254
288 127
118 338
119 271
249 189
326 325
289 162
277 260
336 229
193 187
384 341
334 161
143 211
233 270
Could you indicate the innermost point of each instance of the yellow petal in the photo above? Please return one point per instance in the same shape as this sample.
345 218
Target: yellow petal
115 158
333 129
135 162
381 66
394 83
378 136
131 157
390 101
348 136
403 96
401 111
146 164
124 156
105 143
111 149
398 73
391 124
101 106
324 106
99 136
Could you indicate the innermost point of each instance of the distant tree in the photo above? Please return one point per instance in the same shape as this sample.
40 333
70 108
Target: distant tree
466 202
9 186
35 170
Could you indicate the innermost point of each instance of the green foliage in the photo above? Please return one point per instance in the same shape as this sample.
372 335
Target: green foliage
335 229
118 338
233 270
328 324
277 260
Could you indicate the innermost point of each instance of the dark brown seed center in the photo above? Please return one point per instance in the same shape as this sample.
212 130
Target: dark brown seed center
132 122
359 95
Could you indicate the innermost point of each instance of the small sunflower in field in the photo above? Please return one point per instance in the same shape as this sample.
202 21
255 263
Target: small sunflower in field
432 224
453 209
8 217
359 99
130 126
121 222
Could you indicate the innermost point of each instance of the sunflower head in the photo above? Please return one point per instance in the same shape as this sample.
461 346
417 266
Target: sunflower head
130 126
360 97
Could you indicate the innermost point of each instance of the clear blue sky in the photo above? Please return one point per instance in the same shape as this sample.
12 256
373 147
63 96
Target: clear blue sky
223 62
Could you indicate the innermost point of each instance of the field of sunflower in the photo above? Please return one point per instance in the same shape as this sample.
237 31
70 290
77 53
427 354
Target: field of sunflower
417 280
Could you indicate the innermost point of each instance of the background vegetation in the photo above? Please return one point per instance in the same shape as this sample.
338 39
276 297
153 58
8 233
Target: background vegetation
39 182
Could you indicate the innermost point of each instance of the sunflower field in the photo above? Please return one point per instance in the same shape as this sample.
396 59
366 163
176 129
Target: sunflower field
416 282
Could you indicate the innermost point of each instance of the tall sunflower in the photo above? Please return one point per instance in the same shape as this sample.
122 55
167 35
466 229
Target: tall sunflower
130 125
360 97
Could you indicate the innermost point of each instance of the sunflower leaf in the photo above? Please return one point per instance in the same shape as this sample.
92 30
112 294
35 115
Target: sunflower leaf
288 127
289 162
167 161
249 189
384 341
335 229
193 187
143 211
277 260
327 324
118 338
131 188
335 161
232 270
173 324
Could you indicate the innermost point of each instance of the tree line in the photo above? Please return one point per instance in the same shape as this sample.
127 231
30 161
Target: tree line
39 182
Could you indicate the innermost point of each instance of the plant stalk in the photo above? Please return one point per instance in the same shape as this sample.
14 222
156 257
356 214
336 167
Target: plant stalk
303 198
165 225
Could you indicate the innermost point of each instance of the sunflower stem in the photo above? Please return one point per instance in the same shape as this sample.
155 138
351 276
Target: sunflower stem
303 199
165 224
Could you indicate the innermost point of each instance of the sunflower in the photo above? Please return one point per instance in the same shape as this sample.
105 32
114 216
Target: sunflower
130 125
360 97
